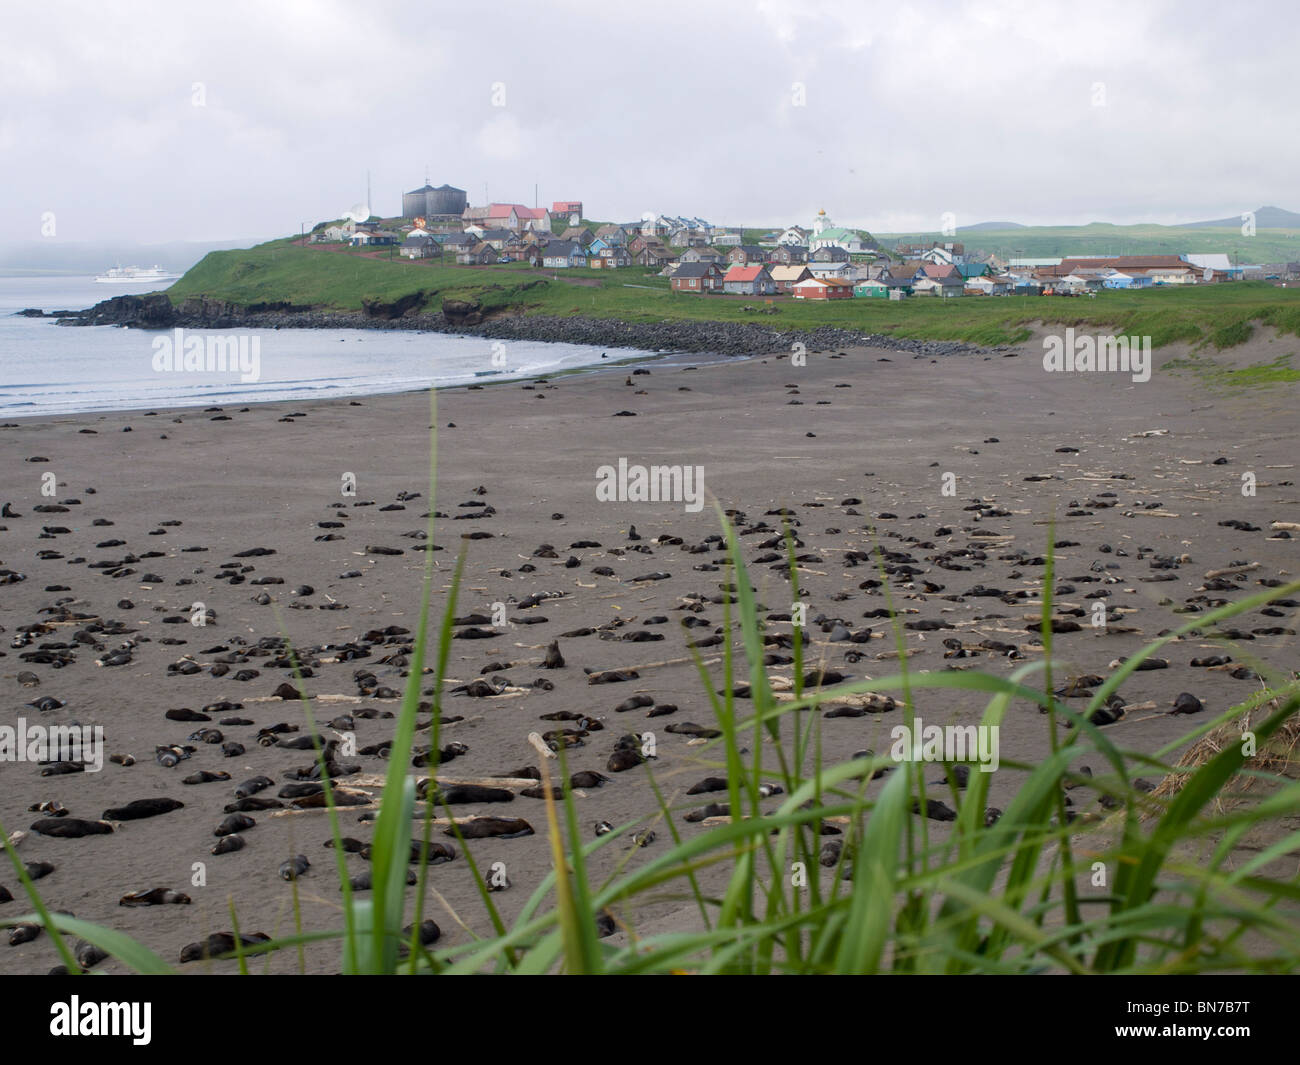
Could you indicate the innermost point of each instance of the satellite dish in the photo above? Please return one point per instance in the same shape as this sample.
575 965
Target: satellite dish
358 212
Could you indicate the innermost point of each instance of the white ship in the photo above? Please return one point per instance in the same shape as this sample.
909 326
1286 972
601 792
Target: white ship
134 275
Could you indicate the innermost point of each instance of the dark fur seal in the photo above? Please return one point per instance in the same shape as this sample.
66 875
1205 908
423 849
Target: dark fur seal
38 870
229 844
436 853
154 897
935 810
341 797
234 823
297 791
430 933
484 827
458 794
587 778
205 776
294 867
220 943
171 755
537 791
708 784
714 809
71 827
253 786
690 728
362 881
623 759
88 955
5 894
141 808
253 802
23 933
185 714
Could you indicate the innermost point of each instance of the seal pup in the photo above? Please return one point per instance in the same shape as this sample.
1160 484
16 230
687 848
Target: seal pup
294 867
158 896
219 944
363 882
234 823
229 844
252 786
205 776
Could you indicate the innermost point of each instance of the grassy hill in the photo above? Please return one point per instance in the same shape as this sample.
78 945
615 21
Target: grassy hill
1103 238
1219 315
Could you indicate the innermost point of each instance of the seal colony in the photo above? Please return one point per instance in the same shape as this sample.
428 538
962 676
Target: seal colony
167 589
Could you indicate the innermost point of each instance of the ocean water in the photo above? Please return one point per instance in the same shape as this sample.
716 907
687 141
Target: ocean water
49 369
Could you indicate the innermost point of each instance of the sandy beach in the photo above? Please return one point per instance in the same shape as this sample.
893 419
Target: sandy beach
1139 477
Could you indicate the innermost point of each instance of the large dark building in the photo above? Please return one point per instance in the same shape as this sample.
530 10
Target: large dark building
428 202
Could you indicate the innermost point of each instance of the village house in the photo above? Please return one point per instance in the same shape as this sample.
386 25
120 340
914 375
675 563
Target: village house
653 255
563 254
497 237
570 209
612 235
939 279
795 235
746 255
607 258
934 251
456 241
696 277
370 237
703 254
822 288
752 280
579 235
786 276
788 254
508 216
871 288
480 254
688 238
1119 280
420 246
985 285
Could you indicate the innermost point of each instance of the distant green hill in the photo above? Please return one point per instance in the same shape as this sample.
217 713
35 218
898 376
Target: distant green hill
1103 238
1265 218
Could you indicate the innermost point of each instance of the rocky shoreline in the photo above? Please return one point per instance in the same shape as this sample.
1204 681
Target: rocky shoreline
156 311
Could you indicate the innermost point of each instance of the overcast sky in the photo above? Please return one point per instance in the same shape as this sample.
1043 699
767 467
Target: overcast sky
747 112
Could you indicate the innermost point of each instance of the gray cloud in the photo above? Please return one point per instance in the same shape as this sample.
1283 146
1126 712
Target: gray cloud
888 115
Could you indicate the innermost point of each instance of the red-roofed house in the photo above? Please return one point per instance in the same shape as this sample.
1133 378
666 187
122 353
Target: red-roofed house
570 209
509 216
749 281
822 288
